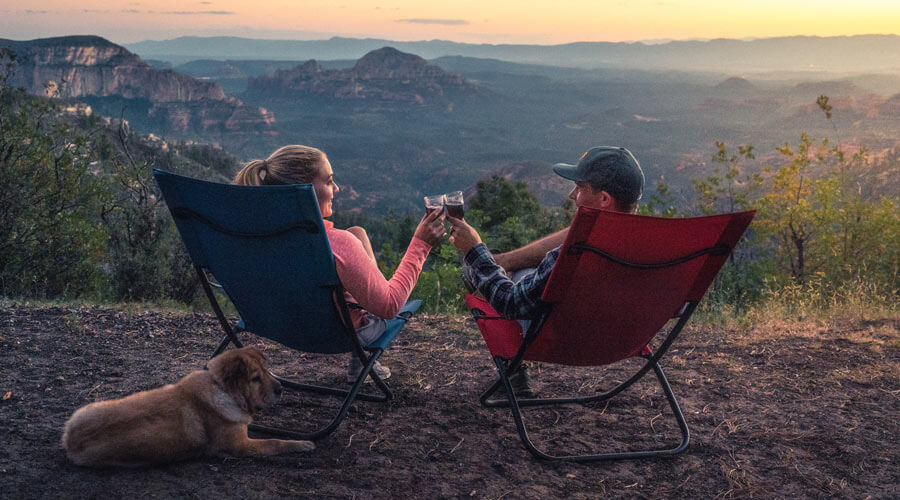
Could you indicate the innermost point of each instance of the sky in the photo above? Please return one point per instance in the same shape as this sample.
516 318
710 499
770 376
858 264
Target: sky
472 21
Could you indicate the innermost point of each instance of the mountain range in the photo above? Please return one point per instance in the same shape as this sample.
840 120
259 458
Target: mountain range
861 53
385 75
397 126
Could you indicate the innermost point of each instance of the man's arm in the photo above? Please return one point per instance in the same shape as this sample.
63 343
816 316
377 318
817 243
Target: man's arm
512 300
531 254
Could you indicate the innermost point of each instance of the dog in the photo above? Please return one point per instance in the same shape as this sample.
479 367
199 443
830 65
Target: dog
204 413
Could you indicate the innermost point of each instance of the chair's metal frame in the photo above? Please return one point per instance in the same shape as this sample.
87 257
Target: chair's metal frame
508 367
367 356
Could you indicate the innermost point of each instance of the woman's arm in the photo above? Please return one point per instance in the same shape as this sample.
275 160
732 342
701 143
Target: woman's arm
362 278
360 274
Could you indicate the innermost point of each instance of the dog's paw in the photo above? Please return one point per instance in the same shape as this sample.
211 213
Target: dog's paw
303 446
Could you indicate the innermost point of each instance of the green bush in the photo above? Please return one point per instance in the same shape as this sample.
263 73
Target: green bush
51 244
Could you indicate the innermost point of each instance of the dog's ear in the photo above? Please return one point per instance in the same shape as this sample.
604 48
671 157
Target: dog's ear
235 373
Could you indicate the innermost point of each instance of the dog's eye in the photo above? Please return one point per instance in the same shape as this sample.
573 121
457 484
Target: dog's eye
257 379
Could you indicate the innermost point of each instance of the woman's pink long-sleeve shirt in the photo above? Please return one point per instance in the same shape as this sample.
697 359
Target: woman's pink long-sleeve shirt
363 280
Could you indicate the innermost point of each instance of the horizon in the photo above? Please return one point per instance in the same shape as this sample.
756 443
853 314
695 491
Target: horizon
440 40
644 21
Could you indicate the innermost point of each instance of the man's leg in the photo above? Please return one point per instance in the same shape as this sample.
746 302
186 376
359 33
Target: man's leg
520 381
516 276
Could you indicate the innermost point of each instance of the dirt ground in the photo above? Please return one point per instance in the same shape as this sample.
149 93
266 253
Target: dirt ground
808 411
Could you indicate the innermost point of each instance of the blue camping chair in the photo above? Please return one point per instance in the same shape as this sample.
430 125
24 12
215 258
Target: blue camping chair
266 248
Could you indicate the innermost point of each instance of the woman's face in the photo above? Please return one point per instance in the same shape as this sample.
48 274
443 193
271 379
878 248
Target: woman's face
325 187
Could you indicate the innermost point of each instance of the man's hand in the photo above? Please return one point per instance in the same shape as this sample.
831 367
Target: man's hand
463 236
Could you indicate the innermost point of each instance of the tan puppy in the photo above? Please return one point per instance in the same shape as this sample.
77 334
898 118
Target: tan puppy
206 412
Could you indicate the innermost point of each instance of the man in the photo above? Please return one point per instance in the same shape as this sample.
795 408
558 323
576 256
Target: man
607 178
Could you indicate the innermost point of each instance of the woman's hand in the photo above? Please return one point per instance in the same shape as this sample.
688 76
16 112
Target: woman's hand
463 236
431 227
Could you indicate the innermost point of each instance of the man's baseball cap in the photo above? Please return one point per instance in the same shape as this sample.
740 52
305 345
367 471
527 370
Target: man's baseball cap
612 169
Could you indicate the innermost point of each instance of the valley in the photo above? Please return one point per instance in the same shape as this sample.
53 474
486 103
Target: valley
397 126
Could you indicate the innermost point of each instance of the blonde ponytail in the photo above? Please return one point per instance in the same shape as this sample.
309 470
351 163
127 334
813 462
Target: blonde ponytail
293 164
251 174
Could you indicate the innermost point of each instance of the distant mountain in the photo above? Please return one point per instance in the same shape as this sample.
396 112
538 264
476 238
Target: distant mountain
92 66
383 75
111 78
232 75
383 117
245 68
736 84
861 53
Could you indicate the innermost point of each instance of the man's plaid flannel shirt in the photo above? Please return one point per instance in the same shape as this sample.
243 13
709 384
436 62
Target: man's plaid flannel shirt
512 300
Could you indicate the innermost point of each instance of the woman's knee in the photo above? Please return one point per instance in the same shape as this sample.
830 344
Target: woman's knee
359 232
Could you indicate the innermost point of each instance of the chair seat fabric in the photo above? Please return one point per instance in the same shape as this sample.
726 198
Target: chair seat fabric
394 326
268 252
618 281
504 336
608 308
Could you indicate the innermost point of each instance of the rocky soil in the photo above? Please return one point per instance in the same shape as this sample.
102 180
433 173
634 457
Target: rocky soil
786 411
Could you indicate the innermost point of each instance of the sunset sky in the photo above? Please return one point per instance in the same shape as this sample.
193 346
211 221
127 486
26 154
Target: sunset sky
479 21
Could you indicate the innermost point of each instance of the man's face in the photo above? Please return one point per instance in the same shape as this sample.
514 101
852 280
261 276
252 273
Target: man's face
585 196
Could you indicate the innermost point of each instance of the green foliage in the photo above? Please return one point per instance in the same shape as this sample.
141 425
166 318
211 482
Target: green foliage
212 159
50 242
145 256
819 218
508 216
661 202
728 191
440 286
80 216
821 230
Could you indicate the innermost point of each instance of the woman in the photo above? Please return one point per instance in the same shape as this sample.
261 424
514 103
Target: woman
379 298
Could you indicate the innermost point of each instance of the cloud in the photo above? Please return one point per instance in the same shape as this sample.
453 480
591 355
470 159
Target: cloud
444 22
29 11
201 12
182 12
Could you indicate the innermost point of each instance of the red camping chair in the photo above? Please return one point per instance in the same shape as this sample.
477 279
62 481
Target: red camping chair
649 270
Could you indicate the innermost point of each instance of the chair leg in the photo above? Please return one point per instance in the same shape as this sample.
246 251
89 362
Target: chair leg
514 405
349 397
224 344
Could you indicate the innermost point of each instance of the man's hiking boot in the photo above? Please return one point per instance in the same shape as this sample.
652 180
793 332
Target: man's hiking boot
354 367
520 383
520 386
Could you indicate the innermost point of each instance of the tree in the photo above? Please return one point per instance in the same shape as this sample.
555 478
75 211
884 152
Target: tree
508 215
145 256
728 192
822 219
50 241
